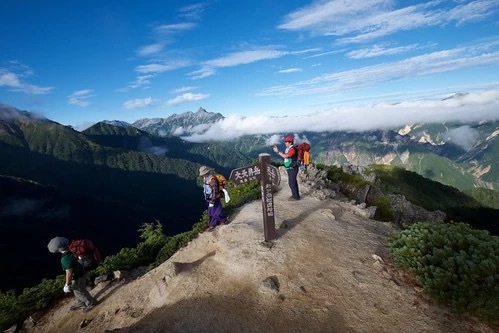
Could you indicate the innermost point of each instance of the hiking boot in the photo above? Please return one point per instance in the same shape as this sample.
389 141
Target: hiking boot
77 306
88 307
293 199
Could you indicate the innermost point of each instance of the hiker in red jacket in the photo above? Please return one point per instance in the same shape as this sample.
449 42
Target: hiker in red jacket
212 195
290 156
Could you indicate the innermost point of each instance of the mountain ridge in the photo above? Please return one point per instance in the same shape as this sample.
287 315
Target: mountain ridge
327 271
466 152
466 149
128 166
178 124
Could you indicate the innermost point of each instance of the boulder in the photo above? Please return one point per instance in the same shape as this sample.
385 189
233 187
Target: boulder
405 213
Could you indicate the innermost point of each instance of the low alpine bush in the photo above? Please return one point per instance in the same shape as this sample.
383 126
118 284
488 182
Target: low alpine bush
455 264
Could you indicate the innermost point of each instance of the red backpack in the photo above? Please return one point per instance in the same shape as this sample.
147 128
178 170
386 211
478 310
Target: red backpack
88 255
304 153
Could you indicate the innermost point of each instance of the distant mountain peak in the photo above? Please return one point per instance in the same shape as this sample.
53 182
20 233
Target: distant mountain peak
178 124
118 123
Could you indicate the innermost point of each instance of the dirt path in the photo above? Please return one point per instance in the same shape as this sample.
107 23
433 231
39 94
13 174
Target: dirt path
326 272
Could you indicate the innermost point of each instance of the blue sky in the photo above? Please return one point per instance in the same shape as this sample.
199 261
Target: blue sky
287 65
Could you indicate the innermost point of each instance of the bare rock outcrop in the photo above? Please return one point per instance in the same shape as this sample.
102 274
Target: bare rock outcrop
403 211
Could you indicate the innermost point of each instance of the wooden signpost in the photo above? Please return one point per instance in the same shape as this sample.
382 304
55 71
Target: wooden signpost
268 175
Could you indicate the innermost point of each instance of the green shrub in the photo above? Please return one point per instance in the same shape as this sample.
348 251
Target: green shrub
349 183
9 309
337 175
383 209
242 194
14 308
145 253
455 264
174 243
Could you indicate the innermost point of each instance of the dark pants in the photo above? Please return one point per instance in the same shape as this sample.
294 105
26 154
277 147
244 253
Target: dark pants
293 182
79 286
215 214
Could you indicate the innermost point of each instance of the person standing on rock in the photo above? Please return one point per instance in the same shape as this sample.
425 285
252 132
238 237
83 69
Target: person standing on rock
76 277
212 196
290 156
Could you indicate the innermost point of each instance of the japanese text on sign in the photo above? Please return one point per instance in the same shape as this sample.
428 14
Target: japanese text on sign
273 174
269 200
245 175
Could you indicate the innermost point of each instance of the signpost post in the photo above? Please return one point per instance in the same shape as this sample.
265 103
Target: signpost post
268 176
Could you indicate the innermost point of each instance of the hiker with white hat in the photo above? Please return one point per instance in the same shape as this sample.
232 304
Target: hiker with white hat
76 277
212 196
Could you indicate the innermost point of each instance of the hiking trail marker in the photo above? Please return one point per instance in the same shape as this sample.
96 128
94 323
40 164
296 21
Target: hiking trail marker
268 175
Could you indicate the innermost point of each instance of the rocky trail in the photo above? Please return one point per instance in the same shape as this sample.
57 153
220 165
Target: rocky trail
327 271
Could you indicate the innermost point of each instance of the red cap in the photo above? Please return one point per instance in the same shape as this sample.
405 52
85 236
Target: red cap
289 139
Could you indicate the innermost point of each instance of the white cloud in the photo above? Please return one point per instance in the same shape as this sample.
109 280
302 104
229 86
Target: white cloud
192 12
290 70
244 57
80 97
202 73
179 131
164 35
173 28
185 98
139 103
8 79
15 82
183 90
423 65
464 136
274 139
472 11
141 81
150 49
380 50
235 59
466 107
146 145
361 21
161 67
325 17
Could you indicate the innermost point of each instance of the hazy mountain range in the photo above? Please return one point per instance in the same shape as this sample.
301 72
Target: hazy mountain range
105 181
459 154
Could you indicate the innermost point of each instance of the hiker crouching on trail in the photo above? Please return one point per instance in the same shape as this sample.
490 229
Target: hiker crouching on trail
290 156
76 277
212 196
